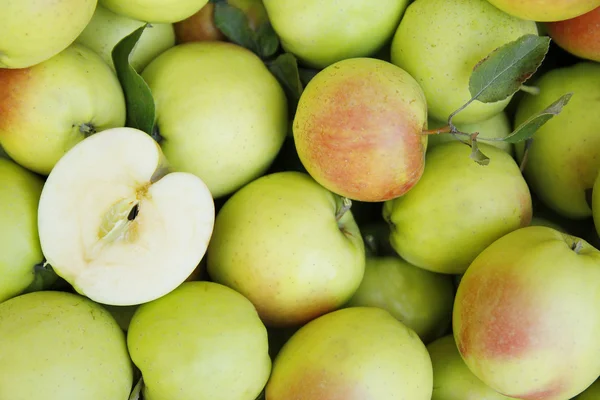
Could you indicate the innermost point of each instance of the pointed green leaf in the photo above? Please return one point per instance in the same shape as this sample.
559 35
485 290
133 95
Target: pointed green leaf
503 71
528 128
477 155
267 40
138 97
285 69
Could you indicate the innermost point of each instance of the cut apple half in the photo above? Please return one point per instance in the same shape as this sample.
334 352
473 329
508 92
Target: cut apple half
117 225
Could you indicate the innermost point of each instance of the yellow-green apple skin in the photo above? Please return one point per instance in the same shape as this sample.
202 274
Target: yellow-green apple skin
496 127
221 114
452 379
591 393
154 11
32 31
278 242
458 208
579 36
525 316
201 341
546 10
322 32
358 129
355 353
563 159
58 346
48 108
441 58
106 29
20 250
420 299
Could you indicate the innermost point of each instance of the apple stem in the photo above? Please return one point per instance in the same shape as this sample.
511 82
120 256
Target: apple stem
87 129
445 129
346 205
530 89
156 134
577 246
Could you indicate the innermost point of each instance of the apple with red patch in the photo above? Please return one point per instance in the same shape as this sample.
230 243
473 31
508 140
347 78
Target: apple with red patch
525 317
545 10
358 129
579 36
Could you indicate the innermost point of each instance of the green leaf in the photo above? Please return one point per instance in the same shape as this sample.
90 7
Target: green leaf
503 71
138 97
306 75
477 155
285 69
234 24
528 128
44 278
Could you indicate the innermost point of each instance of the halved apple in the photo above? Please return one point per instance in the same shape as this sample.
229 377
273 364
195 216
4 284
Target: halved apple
117 225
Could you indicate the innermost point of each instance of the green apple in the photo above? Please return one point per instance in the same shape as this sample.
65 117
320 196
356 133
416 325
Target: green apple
48 108
591 393
117 224
32 31
452 379
201 341
496 127
546 10
352 354
20 247
458 208
525 316
358 129
420 299
106 29
580 35
58 346
563 159
154 11
283 242
221 114
322 32
441 57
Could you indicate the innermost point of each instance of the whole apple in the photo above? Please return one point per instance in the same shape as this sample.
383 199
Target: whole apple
525 317
358 129
106 29
458 208
420 299
546 10
452 379
154 11
322 32
458 35
48 108
580 35
58 346
32 31
20 247
284 242
221 114
563 159
352 354
200 341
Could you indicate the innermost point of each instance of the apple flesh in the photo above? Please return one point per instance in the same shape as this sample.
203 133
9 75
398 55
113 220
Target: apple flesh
32 32
322 32
355 353
201 341
579 36
107 217
525 315
546 10
20 247
281 243
154 11
563 161
358 129
48 108
459 35
58 346
106 29
458 208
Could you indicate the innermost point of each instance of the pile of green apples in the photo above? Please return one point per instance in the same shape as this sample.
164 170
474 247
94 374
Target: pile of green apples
299 199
